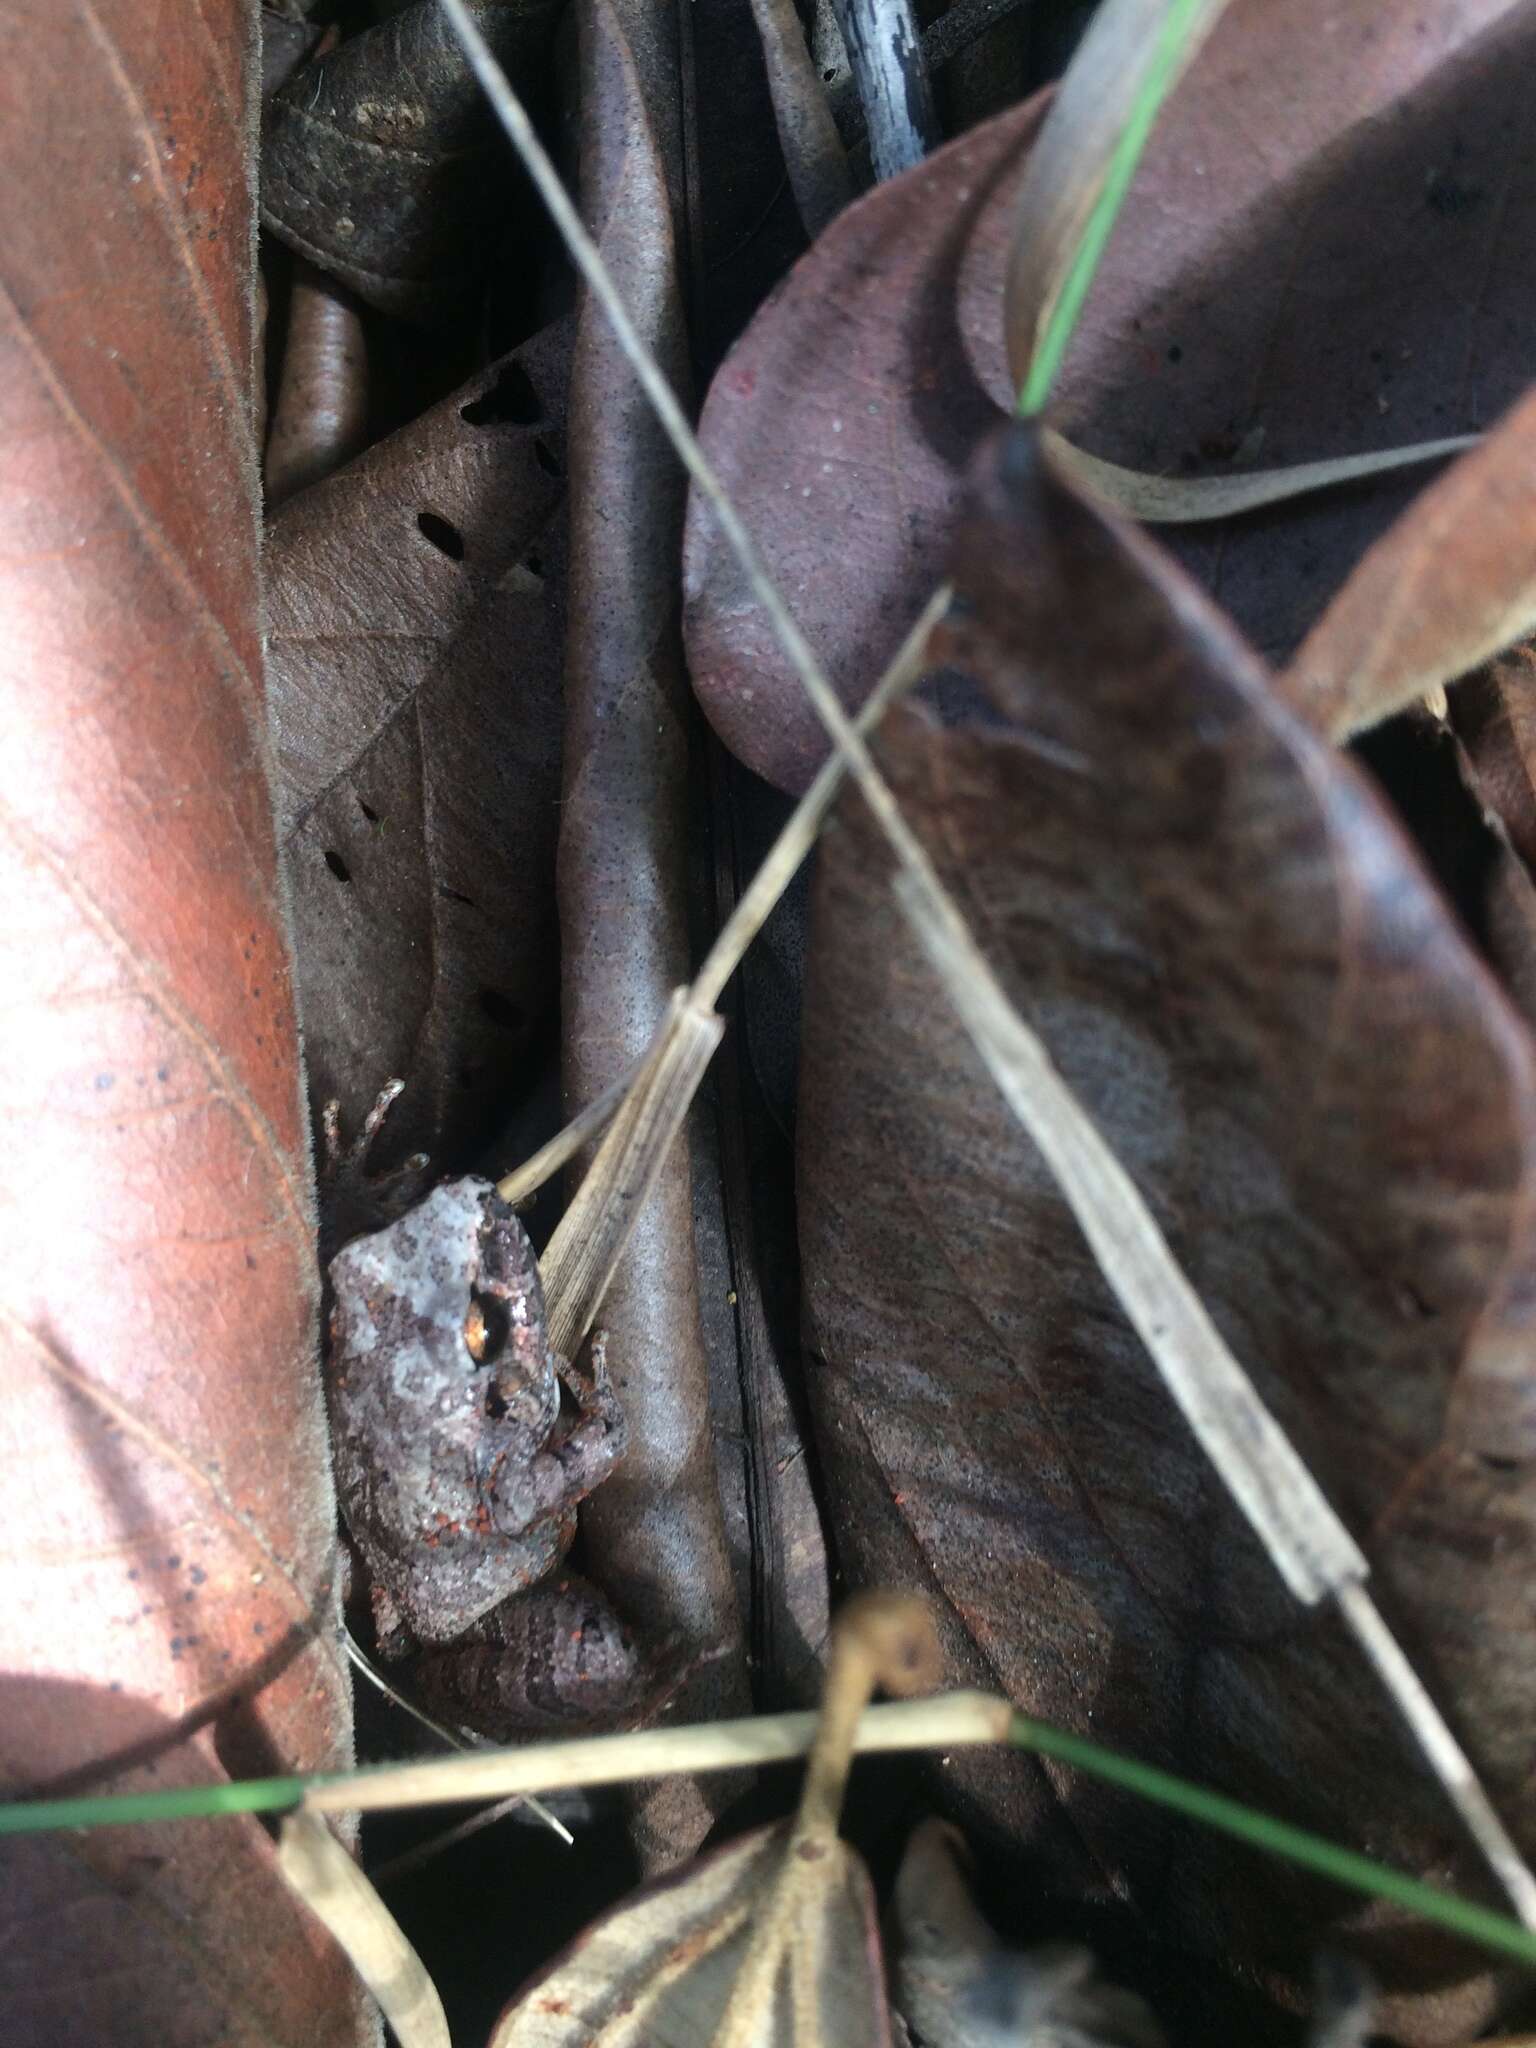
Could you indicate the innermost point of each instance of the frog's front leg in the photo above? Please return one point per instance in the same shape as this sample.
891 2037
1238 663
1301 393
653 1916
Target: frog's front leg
522 1494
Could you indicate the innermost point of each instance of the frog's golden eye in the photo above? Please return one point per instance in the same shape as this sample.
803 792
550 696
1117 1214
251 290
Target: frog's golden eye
485 1328
475 1333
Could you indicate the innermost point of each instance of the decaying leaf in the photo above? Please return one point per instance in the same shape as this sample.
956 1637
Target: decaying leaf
382 163
1242 973
1495 719
415 608
1321 256
168 1608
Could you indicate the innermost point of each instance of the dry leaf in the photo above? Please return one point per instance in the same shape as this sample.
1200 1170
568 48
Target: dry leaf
1321 257
169 1612
415 611
770 1942
1240 971
325 1877
1450 584
320 419
382 163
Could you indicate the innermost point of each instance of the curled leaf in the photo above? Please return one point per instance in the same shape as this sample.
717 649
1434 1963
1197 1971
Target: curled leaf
1450 584
381 162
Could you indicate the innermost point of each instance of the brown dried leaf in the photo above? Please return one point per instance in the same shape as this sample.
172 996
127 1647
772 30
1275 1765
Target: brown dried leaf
1495 718
383 164
168 1613
415 607
1321 256
1450 584
1246 980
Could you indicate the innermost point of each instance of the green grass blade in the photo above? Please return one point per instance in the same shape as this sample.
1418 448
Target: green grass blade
1479 1924
184 1802
1179 24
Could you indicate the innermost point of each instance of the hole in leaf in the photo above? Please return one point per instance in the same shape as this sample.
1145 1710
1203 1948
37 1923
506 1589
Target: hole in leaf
338 867
534 564
444 536
828 76
1495 1463
368 812
547 459
500 1009
511 401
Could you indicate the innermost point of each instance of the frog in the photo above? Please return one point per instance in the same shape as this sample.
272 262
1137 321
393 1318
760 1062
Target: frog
462 1442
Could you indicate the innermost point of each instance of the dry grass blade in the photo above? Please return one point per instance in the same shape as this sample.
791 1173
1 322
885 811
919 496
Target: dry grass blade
746 920
590 1237
587 1124
319 1870
1321 1557
1069 164
948 1721
1182 500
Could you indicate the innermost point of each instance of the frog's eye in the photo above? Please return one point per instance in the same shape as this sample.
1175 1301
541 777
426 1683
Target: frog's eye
485 1328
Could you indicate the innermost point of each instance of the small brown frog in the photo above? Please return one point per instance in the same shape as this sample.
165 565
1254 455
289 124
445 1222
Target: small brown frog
458 1467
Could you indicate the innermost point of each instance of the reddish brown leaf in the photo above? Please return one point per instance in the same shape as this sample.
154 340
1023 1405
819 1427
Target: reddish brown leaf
1322 254
840 424
169 1603
1243 974
383 164
415 605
